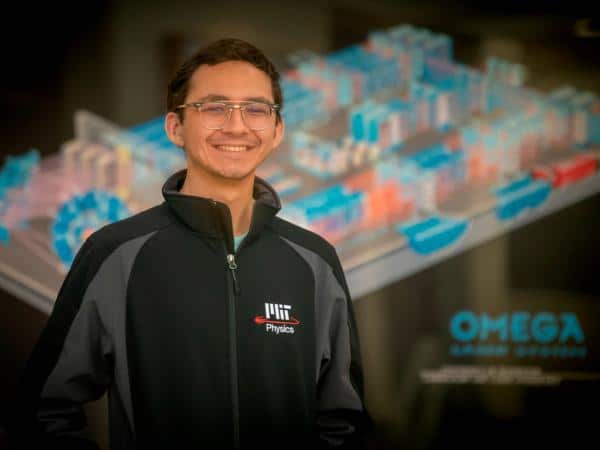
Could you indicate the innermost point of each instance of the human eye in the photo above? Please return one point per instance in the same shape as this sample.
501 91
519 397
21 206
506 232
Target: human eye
213 108
257 109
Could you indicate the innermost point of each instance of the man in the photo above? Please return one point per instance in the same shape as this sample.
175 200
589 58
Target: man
211 322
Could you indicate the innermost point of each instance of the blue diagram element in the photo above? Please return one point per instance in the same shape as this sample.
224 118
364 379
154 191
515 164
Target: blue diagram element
17 170
432 234
334 204
15 173
80 216
4 234
520 195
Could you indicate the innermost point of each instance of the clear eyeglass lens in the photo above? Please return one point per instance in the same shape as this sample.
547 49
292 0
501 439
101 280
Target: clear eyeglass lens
255 115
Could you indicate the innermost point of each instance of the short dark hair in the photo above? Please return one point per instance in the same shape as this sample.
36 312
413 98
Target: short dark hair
218 52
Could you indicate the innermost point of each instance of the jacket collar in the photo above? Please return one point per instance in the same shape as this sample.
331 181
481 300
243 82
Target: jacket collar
213 218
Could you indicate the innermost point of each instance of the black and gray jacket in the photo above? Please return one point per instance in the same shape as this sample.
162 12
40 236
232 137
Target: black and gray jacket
198 346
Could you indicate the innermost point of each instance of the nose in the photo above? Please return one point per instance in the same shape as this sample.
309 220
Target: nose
235 122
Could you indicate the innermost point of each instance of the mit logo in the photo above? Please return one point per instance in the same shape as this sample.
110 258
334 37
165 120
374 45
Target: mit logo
277 311
277 319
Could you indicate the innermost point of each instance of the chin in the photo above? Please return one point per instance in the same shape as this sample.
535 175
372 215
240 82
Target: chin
235 175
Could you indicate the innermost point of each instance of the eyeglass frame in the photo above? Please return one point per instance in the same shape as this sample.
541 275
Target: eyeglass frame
230 105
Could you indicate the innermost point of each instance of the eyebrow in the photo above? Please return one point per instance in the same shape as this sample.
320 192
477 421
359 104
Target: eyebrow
217 98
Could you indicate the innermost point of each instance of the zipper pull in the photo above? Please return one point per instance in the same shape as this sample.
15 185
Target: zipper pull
233 266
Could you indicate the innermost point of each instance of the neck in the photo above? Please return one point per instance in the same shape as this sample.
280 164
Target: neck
236 194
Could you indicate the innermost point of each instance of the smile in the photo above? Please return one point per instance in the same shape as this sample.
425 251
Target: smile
232 148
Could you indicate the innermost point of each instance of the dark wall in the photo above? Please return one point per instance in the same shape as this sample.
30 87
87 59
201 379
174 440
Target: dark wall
47 49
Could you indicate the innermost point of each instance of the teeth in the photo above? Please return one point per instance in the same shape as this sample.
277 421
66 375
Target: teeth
232 148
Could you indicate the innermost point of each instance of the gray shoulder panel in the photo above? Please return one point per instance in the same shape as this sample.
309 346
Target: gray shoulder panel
333 335
94 351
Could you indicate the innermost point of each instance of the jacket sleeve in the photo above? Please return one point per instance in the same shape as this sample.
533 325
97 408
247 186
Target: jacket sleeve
343 420
69 366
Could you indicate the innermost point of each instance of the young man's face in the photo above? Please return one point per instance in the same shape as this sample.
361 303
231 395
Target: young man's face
234 151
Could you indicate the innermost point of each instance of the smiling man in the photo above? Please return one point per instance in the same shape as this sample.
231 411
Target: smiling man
211 322
227 123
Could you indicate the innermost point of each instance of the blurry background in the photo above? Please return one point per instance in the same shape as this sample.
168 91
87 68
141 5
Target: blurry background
115 58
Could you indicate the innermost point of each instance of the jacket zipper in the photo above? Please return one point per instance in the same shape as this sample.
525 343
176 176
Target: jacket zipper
233 348
233 267
233 290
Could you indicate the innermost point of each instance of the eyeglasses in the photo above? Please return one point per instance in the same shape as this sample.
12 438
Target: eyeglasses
214 115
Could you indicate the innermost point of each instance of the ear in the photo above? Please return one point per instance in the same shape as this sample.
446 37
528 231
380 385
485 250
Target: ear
278 133
174 129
